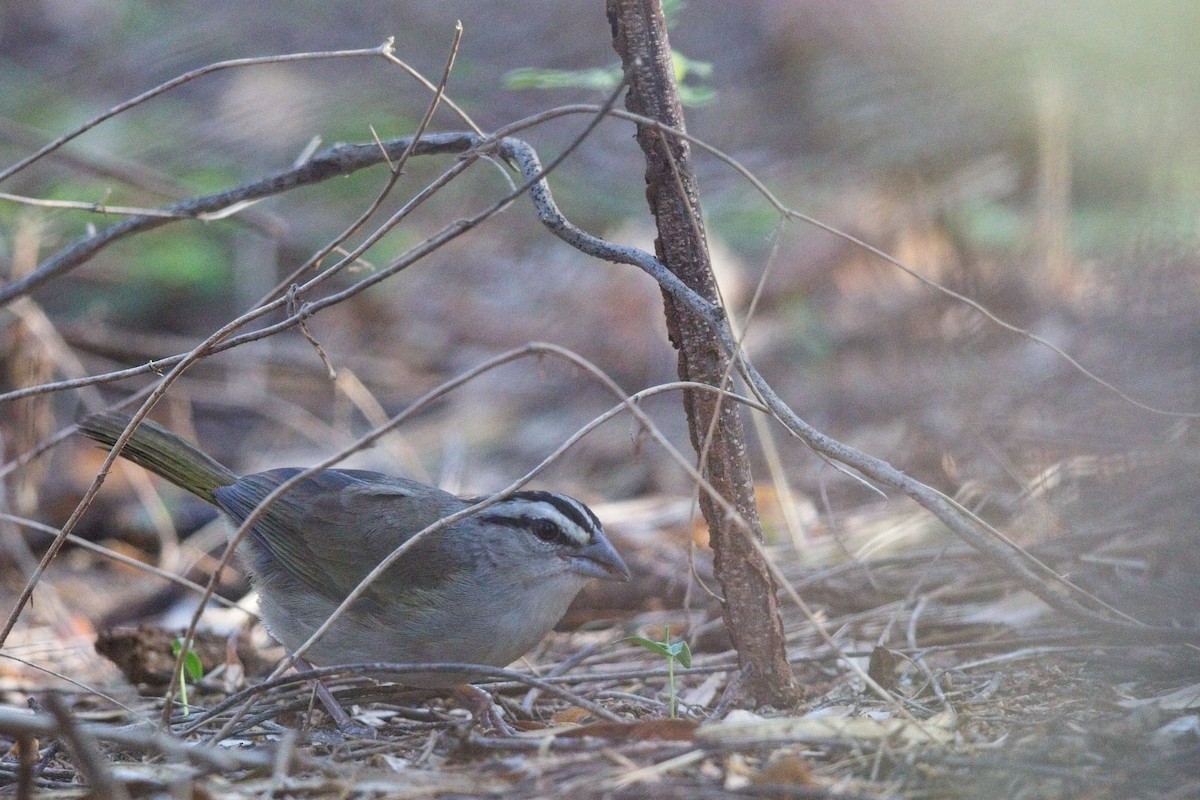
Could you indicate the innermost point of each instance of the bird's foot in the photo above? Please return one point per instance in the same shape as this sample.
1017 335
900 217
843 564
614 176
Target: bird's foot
483 708
346 724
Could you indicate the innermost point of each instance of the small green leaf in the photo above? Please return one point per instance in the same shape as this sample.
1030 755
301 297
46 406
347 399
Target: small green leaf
193 668
696 96
651 645
685 66
685 654
681 653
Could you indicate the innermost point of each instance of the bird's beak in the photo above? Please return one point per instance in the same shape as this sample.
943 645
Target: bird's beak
601 560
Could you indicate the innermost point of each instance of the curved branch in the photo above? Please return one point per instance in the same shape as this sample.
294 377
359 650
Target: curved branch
341 159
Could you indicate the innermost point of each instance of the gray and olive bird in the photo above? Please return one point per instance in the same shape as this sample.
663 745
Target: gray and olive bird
482 590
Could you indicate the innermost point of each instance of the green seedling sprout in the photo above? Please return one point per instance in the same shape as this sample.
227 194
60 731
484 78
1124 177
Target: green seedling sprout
192 670
679 651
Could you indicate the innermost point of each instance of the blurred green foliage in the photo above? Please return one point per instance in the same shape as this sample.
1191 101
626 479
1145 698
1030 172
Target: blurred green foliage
179 259
990 225
605 79
746 223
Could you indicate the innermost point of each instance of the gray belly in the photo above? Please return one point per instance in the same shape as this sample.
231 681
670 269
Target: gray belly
494 632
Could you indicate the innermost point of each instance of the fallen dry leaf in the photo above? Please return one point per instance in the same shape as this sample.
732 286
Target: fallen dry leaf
937 729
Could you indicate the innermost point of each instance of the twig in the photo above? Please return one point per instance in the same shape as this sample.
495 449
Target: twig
391 56
284 752
113 555
27 753
65 679
396 170
399 670
382 50
918 659
751 606
83 747
216 760
97 207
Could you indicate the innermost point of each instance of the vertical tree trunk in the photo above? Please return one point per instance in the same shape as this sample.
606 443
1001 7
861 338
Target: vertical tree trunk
750 608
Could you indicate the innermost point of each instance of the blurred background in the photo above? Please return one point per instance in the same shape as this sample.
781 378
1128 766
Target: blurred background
1039 157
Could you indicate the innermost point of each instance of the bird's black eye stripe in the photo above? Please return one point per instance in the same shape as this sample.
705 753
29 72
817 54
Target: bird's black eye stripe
552 518
573 510
545 529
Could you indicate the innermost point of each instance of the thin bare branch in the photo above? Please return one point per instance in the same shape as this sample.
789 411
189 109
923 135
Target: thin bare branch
113 555
98 207
395 168
91 690
211 759
83 747
384 50
391 56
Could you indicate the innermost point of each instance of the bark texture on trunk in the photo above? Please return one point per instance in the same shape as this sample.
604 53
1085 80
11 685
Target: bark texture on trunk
751 609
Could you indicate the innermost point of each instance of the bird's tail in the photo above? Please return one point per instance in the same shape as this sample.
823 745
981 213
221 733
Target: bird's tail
161 452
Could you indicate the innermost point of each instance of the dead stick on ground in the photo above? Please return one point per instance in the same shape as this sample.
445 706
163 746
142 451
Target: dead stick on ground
85 750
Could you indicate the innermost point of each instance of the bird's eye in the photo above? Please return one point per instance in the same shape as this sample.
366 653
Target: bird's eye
546 530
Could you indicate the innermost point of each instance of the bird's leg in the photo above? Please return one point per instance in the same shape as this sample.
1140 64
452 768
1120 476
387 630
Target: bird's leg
482 707
345 724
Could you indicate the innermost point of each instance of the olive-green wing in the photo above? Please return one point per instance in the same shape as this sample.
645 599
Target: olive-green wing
333 528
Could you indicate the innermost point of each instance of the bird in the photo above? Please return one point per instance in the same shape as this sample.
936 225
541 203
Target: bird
483 589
